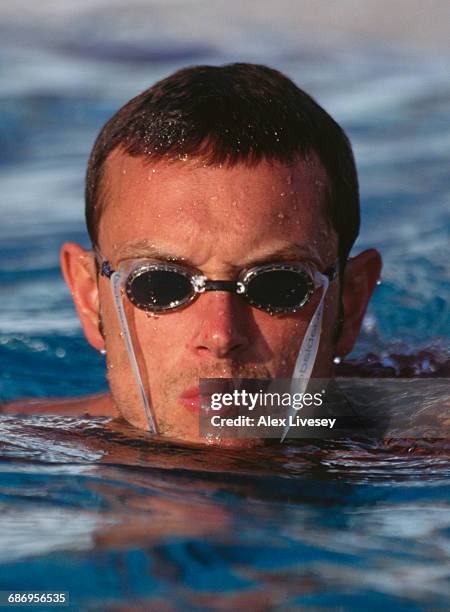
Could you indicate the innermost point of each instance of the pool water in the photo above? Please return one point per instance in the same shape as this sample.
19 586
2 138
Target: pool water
90 508
99 510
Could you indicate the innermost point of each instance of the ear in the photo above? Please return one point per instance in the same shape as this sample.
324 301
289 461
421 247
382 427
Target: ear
360 278
78 268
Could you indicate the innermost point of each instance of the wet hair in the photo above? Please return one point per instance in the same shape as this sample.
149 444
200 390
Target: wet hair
232 114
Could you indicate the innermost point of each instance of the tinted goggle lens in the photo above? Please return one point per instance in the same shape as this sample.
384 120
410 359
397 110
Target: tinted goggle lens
159 289
272 290
278 289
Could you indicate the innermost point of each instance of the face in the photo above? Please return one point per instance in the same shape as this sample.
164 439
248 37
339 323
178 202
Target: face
218 220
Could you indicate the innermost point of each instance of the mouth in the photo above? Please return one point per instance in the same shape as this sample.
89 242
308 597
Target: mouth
199 402
191 400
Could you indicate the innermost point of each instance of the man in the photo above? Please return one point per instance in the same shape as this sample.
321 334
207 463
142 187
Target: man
210 173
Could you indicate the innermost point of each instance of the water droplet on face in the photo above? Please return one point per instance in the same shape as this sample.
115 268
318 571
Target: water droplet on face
214 198
151 315
281 215
337 360
283 194
234 203
124 171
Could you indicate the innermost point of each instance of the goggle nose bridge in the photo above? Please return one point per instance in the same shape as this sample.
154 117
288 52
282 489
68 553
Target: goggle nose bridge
202 284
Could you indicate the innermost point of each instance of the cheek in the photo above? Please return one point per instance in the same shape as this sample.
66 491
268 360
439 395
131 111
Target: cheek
283 335
161 337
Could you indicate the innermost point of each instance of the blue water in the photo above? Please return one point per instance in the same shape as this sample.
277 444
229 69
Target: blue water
95 509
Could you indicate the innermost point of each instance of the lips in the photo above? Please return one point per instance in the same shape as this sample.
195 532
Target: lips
191 399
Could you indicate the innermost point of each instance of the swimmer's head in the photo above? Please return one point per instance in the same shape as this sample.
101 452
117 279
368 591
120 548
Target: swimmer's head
219 168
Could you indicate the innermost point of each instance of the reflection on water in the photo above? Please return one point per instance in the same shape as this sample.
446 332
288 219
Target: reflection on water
92 502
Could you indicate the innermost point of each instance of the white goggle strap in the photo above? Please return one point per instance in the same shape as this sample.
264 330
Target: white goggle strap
115 286
308 350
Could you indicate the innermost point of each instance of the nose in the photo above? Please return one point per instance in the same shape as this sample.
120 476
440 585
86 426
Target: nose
222 330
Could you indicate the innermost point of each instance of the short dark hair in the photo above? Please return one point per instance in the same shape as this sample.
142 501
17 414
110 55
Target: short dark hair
237 113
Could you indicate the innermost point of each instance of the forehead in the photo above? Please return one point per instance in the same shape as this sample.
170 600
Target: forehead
190 208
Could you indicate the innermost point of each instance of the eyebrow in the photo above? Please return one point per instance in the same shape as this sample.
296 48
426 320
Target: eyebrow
146 249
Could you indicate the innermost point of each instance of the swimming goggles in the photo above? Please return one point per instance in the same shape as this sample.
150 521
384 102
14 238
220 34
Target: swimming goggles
158 287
